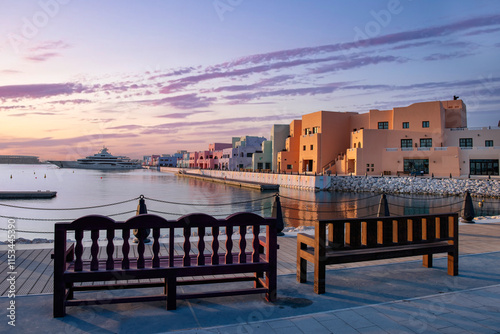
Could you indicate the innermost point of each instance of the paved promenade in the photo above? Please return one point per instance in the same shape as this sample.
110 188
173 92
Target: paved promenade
393 296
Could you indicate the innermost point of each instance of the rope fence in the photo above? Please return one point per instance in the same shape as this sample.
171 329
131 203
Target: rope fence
364 206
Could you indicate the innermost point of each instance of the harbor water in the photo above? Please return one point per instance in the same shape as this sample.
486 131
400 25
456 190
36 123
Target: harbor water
116 193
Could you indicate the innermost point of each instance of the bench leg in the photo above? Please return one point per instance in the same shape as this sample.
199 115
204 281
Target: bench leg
59 310
301 270
272 286
319 278
170 290
427 262
453 263
301 264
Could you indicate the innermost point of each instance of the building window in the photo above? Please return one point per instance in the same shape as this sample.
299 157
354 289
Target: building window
416 166
426 142
383 125
354 145
288 166
484 167
406 125
307 131
488 143
465 142
425 124
304 148
316 129
249 155
406 143
312 147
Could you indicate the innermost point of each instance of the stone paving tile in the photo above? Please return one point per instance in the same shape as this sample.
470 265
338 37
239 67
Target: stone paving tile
254 328
374 315
491 323
334 323
310 325
372 330
275 324
288 330
353 319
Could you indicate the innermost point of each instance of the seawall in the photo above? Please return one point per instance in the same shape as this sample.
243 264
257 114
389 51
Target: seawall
479 187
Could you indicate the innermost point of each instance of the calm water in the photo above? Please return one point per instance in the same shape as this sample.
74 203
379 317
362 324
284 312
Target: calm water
85 188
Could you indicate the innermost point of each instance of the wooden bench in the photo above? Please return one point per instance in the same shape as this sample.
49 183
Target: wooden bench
366 239
163 265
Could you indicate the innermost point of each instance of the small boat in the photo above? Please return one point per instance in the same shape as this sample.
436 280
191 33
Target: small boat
27 194
102 160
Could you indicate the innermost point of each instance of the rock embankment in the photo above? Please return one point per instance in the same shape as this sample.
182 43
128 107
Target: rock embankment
416 185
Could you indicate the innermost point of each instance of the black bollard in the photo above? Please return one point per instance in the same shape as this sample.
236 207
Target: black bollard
142 233
467 212
383 207
276 213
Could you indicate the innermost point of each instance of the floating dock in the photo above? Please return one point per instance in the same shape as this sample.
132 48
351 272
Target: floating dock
236 183
27 194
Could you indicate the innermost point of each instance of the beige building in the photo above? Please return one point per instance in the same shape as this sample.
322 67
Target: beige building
423 138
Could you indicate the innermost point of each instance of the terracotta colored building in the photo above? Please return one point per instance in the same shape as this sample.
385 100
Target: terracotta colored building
423 138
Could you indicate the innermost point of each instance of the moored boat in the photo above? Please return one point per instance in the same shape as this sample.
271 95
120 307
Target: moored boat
102 160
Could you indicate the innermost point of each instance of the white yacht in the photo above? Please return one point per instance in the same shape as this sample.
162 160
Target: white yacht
102 160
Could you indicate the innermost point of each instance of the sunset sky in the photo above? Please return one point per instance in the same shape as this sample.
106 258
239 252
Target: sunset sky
154 77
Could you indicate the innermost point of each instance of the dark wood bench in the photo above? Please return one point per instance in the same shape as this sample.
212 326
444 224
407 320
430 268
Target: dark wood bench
223 260
366 239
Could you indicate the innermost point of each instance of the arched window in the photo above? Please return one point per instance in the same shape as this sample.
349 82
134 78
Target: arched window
359 144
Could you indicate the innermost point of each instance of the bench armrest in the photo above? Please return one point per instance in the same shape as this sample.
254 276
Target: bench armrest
307 239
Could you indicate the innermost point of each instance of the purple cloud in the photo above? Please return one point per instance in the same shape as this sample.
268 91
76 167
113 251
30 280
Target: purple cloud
34 113
74 101
50 141
50 45
186 101
129 127
263 83
356 62
211 122
43 56
46 50
445 56
407 36
39 90
325 89
13 107
184 114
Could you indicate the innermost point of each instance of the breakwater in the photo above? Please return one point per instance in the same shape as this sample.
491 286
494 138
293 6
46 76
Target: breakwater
479 187
416 185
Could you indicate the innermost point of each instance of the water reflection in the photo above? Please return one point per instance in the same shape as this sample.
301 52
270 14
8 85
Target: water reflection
171 196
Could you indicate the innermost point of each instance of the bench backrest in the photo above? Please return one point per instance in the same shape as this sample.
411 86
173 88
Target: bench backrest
202 225
387 231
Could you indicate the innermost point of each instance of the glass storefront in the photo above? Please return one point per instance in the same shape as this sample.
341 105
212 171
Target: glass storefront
484 167
413 166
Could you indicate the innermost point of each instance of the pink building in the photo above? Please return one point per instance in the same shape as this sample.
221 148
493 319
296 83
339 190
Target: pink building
423 138
210 159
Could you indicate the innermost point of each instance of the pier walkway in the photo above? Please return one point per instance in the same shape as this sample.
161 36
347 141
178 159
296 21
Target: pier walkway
237 183
389 296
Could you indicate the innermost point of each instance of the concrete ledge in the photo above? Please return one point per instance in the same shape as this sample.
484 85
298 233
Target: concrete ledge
236 183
